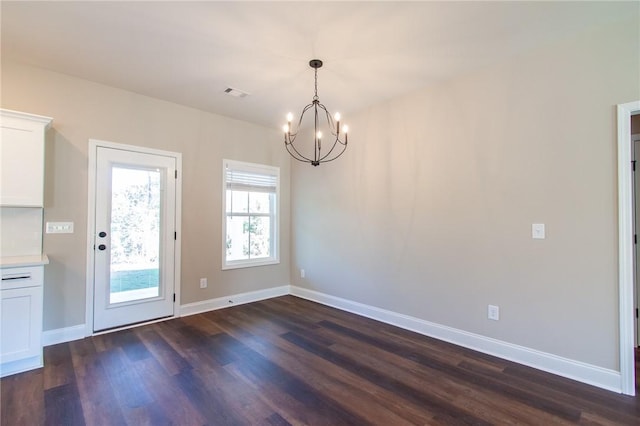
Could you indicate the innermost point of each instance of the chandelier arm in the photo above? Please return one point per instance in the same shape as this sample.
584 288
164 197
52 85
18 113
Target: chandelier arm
334 158
331 125
316 139
303 112
330 121
306 108
324 158
292 137
298 155
335 143
297 158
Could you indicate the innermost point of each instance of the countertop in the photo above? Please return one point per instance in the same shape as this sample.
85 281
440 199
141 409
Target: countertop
23 261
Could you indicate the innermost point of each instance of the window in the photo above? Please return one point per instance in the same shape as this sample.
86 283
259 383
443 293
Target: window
250 214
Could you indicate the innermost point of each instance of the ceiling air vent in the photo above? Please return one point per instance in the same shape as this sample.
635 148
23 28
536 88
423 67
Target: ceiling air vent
235 92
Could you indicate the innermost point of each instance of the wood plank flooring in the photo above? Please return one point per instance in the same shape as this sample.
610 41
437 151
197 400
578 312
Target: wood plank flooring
288 361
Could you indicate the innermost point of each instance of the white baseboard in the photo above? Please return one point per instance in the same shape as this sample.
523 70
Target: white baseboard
233 300
21 365
76 332
62 335
576 370
572 369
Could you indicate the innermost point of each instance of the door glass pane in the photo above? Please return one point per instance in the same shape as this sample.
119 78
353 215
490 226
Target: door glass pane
135 234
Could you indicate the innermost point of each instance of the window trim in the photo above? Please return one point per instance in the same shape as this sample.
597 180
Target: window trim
275 223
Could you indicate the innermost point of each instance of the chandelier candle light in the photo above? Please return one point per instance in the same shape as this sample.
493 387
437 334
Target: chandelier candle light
336 145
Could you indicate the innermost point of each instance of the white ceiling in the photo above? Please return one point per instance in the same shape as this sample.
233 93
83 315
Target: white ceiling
189 52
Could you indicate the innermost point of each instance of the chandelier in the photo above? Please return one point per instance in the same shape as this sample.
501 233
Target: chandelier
336 146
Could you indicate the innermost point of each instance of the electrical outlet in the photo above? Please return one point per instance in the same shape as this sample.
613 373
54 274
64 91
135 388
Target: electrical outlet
59 228
493 312
537 231
302 273
203 283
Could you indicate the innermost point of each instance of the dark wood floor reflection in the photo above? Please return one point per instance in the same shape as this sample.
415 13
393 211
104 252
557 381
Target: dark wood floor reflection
290 361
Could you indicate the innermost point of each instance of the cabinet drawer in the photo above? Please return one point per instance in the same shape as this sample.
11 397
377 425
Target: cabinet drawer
21 277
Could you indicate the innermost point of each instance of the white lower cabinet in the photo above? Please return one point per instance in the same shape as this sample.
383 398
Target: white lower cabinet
21 319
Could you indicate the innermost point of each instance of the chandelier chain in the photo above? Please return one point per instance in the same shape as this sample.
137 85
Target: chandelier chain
315 97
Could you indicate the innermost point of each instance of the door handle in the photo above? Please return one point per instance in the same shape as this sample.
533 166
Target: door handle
102 234
102 247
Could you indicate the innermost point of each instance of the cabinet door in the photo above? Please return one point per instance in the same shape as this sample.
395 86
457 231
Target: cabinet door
21 166
21 323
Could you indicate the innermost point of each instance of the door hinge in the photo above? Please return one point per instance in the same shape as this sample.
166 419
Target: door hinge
175 235
636 312
174 297
635 238
634 167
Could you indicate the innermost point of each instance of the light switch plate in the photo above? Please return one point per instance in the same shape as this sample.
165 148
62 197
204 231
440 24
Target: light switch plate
59 227
537 231
493 312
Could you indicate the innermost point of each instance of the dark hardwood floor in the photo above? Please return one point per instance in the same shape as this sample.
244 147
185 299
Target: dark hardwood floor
290 361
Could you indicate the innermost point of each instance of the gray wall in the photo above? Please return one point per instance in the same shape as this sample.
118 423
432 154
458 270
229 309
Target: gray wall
429 211
82 110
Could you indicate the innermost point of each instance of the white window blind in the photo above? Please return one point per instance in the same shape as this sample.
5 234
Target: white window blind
243 180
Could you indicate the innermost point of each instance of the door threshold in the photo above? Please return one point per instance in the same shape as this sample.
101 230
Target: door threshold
136 324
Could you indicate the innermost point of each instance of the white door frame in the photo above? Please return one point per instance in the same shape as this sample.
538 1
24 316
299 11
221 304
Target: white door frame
635 139
91 215
625 247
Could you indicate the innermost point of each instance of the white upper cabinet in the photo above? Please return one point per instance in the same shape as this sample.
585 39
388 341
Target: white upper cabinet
22 158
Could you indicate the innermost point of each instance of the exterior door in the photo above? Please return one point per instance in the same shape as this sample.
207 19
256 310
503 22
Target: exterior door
635 143
134 235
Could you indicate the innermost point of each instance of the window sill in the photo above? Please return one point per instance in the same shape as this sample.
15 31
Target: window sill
250 263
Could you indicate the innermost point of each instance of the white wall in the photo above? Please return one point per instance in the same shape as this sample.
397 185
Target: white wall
82 110
429 211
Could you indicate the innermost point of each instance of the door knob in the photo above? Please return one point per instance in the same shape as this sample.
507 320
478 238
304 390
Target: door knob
102 247
102 234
